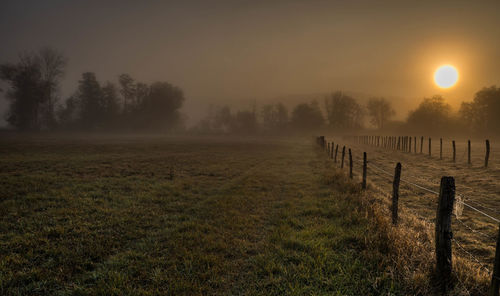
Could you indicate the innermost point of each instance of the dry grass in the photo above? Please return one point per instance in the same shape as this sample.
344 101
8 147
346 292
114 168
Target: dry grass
412 242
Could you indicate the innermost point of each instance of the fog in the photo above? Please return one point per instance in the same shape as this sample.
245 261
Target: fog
242 53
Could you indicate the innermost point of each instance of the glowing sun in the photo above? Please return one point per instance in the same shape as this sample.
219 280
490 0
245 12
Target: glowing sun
446 76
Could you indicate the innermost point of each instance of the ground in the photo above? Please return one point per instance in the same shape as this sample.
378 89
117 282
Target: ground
124 215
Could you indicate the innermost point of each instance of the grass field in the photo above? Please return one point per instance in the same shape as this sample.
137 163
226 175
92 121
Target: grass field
182 216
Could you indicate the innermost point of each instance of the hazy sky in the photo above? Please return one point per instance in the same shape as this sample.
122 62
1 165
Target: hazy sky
238 51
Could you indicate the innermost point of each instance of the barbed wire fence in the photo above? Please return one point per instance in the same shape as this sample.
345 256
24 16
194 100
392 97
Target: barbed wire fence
447 196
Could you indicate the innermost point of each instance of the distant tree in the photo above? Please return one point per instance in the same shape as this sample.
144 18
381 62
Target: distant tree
110 104
433 114
25 92
90 96
380 111
223 119
307 117
274 116
33 82
128 91
482 114
52 64
68 113
343 111
161 106
245 122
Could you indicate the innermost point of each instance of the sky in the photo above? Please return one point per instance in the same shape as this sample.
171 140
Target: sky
239 52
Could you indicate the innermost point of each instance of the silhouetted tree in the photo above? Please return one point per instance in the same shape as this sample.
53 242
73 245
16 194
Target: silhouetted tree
223 119
433 114
482 114
380 111
128 91
245 122
307 117
110 104
33 82
343 111
161 106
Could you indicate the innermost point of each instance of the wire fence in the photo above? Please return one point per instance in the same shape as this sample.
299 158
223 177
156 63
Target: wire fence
461 202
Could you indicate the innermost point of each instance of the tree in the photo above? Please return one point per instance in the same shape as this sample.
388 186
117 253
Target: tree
274 116
307 117
52 64
482 113
433 114
245 122
223 119
127 90
110 104
91 100
380 111
160 108
24 92
343 111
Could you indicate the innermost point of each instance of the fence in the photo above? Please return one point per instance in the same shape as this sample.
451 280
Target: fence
450 203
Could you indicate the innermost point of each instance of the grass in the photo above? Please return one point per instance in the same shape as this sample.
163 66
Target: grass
182 216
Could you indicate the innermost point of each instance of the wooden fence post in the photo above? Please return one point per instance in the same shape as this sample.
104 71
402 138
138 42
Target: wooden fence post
421 145
487 153
399 143
443 231
430 149
454 151
415 144
440 148
395 193
331 151
343 156
350 164
363 184
336 150
409 146
328 150
468 153
495 282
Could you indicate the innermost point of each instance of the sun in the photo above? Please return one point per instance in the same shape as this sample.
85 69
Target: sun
446 76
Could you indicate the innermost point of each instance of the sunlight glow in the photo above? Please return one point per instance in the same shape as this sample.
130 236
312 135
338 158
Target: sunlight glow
446 76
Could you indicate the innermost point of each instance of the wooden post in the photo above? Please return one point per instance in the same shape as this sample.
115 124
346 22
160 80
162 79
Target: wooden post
440 148
336 150
328 150
415 144
421 145
363 184
409 146
395 193
430 150
468 153
343 156
350 164
495 282
487 153
331 151
454 151
399 143
443 231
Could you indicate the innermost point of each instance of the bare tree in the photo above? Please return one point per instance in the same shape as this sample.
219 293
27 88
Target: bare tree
380 111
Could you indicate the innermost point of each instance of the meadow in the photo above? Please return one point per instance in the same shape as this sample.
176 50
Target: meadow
154 215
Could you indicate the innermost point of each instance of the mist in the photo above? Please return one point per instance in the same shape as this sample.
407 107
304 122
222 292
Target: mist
241 52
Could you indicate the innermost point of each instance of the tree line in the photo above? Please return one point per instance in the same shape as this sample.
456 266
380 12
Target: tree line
33 83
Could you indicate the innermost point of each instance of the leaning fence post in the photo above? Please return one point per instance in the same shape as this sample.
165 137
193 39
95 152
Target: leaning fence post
336 150
350 164
363 184
440 148
343 156
395 193
454 151
443 230
495 277
487 153
468 153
